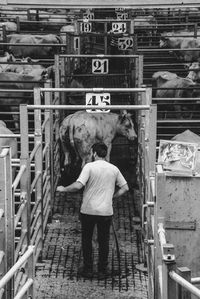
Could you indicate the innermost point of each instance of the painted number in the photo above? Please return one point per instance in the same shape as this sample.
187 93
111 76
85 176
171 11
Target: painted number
125 43
99 66
98 99
85 27
1 33
76 43
119 27
119 9
88 16
122 16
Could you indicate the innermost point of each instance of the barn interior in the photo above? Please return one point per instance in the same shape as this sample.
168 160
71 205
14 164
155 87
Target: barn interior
150 56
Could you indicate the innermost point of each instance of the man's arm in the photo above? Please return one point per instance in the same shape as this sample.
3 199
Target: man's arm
121 191
74 187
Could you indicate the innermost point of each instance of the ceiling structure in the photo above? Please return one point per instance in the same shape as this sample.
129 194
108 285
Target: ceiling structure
101 3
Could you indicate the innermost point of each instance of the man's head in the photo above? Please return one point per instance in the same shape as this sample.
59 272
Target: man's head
99 149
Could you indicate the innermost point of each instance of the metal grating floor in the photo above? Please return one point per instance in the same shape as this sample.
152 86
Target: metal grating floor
57 273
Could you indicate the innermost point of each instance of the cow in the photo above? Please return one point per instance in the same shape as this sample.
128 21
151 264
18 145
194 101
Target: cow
169 85
6 58
172 85
8 141
190 55
182 40
9 26
79 131
33 51
27 66
10 100
194 71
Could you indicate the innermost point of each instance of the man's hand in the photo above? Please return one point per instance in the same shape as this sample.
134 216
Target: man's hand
60 189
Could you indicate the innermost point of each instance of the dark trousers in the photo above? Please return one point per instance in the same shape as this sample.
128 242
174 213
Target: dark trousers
88 223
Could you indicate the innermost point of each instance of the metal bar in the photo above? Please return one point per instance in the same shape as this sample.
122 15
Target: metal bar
19 213
45 149
24 289
44 123
96 56
195 280
33 226
187 285
106 4
38 174
96 89
9 135
36 147
16 266
18 177
77 107
34 45
19 245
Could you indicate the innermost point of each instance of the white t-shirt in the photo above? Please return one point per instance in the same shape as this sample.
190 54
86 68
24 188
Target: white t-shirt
99 179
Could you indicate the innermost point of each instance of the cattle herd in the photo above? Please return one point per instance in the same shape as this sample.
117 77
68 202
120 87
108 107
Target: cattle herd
30 39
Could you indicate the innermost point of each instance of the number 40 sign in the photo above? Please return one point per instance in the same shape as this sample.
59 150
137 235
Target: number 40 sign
98 99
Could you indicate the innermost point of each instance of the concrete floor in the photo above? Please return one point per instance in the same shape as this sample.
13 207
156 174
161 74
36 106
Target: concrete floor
57 273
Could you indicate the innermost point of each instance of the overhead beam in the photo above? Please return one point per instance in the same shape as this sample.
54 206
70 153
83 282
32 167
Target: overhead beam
102 4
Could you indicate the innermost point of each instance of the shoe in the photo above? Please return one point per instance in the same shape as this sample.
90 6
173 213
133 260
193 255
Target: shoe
85 272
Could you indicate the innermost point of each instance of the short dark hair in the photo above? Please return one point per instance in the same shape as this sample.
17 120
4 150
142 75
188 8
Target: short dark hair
100 148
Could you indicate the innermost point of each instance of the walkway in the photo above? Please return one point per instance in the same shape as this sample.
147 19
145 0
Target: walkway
57 277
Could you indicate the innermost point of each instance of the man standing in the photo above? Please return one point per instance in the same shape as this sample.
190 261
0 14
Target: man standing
99 179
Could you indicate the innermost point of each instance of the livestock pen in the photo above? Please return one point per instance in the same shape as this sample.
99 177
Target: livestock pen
126 279
61 254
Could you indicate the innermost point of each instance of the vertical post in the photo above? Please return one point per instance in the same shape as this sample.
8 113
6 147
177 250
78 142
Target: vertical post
3 250
7 228
49 140
152 136
105 38
38 161
186 274
18 24
31 274
26 177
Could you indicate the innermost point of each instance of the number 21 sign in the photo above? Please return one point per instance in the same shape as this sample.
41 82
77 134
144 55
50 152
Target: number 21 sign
99 66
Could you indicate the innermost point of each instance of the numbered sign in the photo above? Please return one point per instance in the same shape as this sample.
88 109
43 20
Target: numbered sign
76 43
120 9
98 99
122 15
118 27
85 27
1 33
100 66
88 16
125 43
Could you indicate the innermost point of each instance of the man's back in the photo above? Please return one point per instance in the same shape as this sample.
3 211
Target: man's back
99 179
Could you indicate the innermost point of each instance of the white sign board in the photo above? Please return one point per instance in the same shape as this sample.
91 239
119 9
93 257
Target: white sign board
100 66
125 43
119 27
98 99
